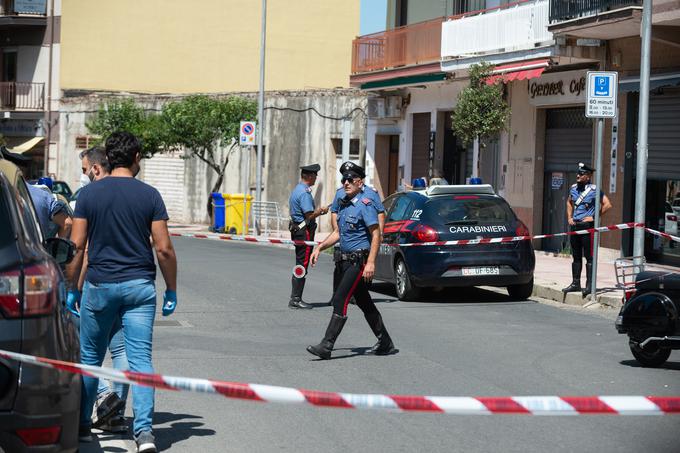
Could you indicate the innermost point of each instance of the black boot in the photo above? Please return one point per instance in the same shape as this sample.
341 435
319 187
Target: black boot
296 294
323 349
384 346
576 279
589 281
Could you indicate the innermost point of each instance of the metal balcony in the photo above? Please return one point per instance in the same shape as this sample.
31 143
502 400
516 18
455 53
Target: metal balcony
404 46
564 10
22 96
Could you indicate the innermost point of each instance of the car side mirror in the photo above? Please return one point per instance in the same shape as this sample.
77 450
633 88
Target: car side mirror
62 250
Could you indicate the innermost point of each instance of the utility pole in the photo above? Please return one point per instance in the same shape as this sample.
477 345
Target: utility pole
598 203
643 124
260 104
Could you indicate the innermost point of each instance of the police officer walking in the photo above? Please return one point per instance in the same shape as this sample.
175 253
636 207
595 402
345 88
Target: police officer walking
369 193
301 205
580 215
359 236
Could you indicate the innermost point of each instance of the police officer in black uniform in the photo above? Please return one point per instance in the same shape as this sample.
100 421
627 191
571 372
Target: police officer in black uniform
359 235
302 227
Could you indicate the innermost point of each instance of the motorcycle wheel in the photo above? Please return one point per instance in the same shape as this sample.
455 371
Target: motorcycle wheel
651 356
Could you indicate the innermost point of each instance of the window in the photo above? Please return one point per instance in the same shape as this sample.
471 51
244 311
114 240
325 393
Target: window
84 141
401 209
28 218
471 209
354 154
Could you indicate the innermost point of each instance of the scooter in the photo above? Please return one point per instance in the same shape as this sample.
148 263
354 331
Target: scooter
651 317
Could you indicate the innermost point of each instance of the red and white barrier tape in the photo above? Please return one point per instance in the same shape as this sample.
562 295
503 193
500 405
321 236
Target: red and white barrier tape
527 405
620 226
663 235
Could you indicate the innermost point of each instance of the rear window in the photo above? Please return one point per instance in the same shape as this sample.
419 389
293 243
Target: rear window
466 209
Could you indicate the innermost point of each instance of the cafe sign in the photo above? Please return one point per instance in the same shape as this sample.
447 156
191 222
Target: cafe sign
558 88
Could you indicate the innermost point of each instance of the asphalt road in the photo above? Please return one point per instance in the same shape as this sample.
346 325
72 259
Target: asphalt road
233 324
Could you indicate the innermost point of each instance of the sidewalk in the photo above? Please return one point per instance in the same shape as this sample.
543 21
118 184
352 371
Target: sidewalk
553 272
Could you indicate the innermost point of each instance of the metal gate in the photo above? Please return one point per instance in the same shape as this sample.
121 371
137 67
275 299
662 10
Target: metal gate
568 141
664 136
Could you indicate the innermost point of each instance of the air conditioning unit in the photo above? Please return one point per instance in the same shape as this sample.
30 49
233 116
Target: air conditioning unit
384 107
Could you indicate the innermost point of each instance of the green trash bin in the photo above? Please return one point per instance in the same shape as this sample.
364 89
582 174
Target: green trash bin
233 212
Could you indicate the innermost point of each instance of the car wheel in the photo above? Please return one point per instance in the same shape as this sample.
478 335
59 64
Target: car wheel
521 292
403 285
651 356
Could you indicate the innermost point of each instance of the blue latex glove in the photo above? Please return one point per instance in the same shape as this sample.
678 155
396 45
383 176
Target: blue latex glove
73 301
169 302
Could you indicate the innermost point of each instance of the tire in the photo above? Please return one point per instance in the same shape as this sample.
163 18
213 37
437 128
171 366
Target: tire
403 285
652 356
521 292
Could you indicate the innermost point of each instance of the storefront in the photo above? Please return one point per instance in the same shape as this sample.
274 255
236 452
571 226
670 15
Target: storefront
663 164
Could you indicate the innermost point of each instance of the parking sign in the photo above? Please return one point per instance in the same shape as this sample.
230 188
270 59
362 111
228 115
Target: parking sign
247 133
601 92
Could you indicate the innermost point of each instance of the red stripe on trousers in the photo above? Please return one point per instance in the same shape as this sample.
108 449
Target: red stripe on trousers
351 291
307 249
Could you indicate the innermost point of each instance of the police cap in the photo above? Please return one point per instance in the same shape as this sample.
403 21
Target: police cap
583 168
354 168
314 168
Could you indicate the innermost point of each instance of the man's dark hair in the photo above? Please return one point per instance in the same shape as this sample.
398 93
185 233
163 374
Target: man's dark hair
97 155
121 149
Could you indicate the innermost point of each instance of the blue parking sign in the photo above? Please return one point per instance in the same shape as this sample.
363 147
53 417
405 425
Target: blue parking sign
602 86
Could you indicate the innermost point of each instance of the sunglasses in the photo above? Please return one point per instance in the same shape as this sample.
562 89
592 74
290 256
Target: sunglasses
581 173
350 180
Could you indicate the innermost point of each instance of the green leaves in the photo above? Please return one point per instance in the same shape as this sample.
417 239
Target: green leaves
481 111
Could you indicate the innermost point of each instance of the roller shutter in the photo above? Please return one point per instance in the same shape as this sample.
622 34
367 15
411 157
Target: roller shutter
421 143
568 139
664 136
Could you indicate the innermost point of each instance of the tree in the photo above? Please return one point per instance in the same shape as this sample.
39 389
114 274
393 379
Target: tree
481 112
204 125
126 115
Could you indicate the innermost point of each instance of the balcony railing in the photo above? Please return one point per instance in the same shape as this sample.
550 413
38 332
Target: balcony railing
22 96
15 7
518 26
563 10
409 45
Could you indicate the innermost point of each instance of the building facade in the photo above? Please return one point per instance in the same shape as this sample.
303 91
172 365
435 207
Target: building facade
541 54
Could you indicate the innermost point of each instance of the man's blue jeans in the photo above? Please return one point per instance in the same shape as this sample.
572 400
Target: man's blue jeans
134 303
119 359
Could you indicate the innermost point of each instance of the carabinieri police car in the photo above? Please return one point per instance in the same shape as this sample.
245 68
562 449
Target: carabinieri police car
446 213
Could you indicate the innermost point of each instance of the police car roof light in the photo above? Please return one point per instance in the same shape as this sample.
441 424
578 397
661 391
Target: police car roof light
478 189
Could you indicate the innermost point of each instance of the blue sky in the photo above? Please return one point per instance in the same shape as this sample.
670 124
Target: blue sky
373 16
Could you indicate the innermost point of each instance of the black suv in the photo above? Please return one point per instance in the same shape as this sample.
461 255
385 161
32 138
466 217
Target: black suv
447 213
39 407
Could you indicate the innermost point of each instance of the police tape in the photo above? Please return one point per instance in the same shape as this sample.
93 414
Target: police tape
461 405
663 235
616 227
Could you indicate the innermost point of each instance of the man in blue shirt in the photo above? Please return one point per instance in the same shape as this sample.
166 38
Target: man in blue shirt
118 214
301 208
581 216
52 214
359 236
370 193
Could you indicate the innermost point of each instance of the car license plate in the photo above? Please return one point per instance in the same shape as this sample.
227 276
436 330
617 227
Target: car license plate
482 270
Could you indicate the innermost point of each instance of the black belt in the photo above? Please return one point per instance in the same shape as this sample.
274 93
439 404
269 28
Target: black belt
354 257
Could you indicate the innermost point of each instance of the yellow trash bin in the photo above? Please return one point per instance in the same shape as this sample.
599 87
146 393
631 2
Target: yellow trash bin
233 212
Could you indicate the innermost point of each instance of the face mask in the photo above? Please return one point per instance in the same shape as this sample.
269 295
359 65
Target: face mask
84 180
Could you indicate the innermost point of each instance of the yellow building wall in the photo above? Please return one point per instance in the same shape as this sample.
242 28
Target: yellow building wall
204 46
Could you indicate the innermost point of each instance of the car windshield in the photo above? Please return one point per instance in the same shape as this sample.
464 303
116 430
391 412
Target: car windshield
61 188
470 209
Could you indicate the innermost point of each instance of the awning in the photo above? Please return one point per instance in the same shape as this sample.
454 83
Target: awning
655 81
26 146
522 70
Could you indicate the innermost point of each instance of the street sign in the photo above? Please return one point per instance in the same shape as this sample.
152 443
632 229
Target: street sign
247 133
602 88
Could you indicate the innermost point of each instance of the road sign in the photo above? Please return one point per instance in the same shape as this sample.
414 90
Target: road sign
602 88
247 133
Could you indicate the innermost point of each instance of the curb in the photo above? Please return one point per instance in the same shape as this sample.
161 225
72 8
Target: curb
554 292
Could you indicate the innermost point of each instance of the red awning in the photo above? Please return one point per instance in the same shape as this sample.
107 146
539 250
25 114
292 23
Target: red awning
522 70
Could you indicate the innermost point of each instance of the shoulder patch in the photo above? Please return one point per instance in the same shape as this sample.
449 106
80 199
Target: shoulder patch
308 189
366 201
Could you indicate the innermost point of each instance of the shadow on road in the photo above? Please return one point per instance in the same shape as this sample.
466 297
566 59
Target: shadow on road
675 366
351 352
447 295
177 431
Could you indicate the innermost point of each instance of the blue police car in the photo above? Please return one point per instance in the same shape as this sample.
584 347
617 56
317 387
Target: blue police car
446 213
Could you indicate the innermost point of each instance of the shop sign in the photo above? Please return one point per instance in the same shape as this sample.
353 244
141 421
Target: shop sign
557 180
558 88
21 128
